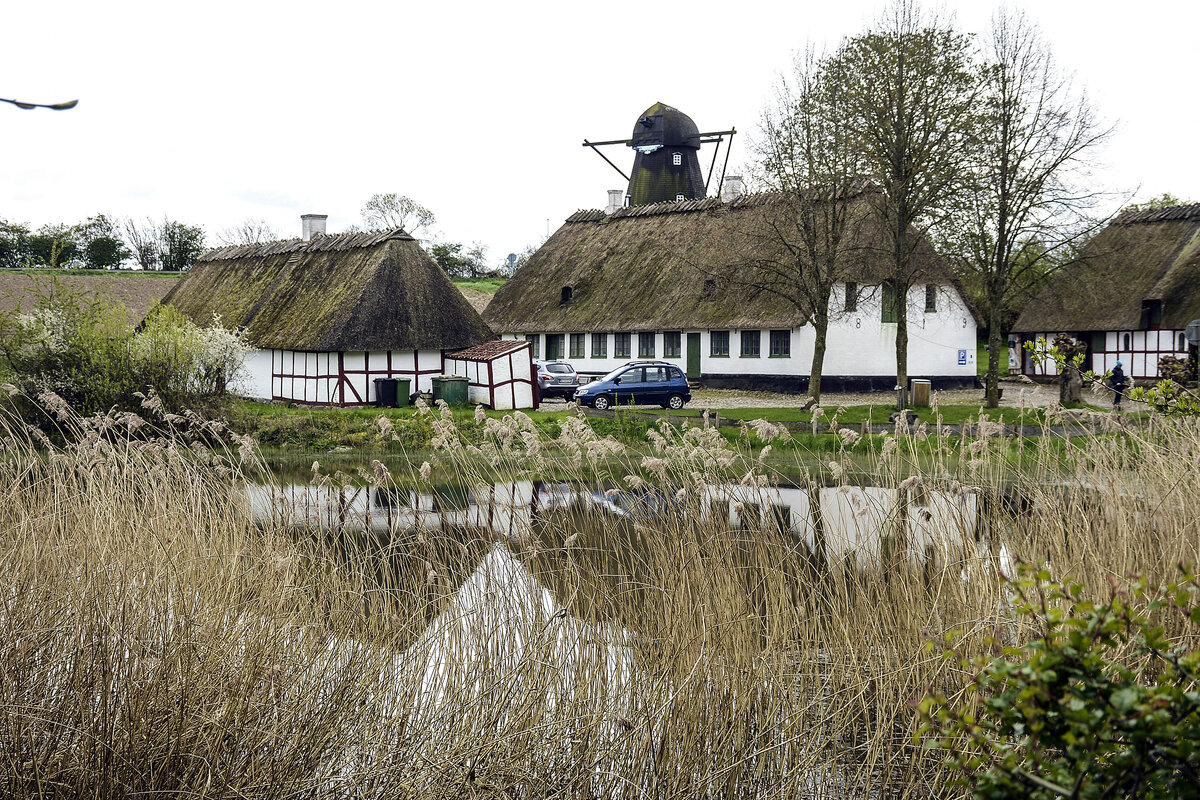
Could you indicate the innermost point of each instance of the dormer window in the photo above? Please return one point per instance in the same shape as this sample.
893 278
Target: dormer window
677 159
710 287
566 295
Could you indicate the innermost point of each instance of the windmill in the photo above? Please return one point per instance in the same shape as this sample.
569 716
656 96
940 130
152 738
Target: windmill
666 162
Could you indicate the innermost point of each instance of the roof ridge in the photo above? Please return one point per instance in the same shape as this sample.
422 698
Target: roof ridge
1170 213
320 243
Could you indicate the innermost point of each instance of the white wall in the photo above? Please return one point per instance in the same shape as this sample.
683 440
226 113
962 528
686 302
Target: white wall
940 343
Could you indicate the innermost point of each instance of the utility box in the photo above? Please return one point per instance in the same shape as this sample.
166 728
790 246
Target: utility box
451 388
922 391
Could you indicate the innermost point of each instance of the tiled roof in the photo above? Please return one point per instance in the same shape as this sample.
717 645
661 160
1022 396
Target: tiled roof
489 350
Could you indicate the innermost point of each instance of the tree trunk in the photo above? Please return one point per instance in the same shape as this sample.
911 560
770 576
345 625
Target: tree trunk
902 343
994 345
1070 385
821 325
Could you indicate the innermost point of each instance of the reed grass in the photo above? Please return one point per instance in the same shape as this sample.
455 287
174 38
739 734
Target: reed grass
157 638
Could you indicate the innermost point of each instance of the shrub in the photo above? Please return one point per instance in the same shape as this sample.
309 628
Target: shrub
1098 704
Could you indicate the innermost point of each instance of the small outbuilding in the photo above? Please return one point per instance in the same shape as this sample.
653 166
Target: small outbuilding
499 374
331 313
1129 296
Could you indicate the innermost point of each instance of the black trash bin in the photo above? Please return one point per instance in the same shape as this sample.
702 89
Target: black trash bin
385 392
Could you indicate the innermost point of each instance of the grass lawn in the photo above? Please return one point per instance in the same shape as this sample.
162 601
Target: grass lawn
488 285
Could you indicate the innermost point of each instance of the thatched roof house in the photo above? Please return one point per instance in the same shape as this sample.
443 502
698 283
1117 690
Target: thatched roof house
1129 295
672 275
356 291
333 313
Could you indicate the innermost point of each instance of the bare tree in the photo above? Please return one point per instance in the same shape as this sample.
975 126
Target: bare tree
1027 200
141 237
397 211
911 86
248 231
806 245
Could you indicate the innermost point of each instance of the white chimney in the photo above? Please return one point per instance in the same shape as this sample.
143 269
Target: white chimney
614 200
311 225
733 188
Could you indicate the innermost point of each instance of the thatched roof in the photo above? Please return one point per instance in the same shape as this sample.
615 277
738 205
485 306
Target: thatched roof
1141 256
659 266
359 291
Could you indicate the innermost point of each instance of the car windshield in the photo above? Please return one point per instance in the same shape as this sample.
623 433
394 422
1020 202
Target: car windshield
562 369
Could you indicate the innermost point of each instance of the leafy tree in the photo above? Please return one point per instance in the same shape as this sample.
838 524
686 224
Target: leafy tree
14 245
458 261
100 243
391 210
1164 200
53 246
911 89
1100 703
179 245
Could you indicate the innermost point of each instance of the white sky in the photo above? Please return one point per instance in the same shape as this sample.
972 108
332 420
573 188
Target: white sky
215 112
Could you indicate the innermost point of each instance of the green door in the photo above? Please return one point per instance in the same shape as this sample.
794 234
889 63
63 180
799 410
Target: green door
693 357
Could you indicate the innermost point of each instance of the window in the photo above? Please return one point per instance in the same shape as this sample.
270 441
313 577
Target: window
781 344
719 344
554 346
656 374
599 345
751 342
930 298
1125 343
851 296
621 345
1152 314
1182 342
710 287
680 198
566 295
534 339
576 345
677 159
646 345
1098 342
889 302
672 344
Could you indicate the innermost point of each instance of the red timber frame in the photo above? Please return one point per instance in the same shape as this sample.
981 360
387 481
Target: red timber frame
511 383
342 391
1102 359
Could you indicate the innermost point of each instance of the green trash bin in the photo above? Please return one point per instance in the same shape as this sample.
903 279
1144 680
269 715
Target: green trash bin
451 388
402 392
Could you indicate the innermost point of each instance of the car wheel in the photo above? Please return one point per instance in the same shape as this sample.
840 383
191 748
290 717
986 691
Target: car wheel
675 402
600 403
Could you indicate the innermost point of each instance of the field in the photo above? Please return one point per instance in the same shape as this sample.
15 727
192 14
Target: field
137 291
160 634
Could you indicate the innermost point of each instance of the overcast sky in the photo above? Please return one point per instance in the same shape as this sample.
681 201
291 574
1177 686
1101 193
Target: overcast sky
215 112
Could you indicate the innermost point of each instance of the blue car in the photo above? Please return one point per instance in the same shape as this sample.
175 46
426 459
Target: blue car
637 383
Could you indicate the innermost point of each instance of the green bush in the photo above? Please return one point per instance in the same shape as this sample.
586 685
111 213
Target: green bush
1100 703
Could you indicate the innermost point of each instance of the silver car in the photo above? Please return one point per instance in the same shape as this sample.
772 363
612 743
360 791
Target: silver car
556 379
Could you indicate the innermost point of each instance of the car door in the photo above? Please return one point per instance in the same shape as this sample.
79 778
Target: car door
629 385
654 390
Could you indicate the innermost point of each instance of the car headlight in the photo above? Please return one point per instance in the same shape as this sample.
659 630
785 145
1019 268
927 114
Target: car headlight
581 391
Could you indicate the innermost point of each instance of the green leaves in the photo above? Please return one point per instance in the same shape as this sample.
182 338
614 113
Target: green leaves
1099 705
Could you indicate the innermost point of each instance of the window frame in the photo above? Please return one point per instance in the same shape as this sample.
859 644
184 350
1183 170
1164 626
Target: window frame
646 344
675 338
677 159
781 337
555 339
747 339
930 298
888 307
713 338
535 340
602 350
625 339
851 303
576 344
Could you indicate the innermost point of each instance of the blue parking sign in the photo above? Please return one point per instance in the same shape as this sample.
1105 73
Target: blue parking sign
962 358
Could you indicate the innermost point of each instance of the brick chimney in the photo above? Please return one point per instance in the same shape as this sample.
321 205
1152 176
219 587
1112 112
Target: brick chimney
312 225
732 189
615 200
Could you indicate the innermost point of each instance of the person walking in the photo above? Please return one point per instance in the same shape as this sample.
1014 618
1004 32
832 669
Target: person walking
1118 383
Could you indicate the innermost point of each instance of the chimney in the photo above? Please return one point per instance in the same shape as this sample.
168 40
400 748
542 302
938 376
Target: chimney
614 200
312 225
733 188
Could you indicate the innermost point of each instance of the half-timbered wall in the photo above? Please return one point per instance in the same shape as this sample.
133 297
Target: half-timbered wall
347 378
1138 351
502 382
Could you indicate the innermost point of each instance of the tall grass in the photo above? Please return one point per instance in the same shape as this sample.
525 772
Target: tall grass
156 638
